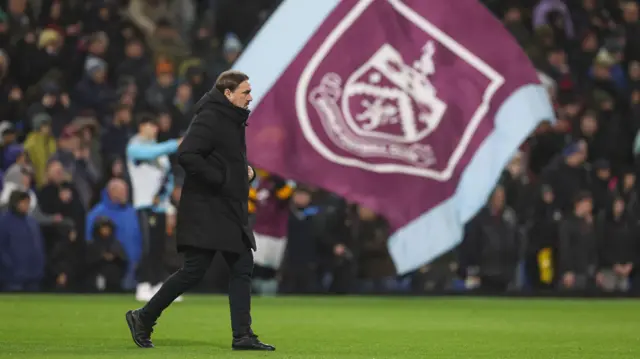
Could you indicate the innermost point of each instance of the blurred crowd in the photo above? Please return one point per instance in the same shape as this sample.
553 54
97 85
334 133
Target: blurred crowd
78 79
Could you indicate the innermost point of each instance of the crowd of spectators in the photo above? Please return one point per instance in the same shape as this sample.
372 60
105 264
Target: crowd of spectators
75 77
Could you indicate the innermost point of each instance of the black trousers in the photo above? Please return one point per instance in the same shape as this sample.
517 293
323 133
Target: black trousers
154 241
196 263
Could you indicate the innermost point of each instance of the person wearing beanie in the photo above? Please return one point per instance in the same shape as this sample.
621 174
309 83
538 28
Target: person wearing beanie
40 145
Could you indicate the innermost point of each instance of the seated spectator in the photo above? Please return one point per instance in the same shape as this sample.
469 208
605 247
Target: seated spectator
106 259
115 206
40 145
577 245
616 234
22 258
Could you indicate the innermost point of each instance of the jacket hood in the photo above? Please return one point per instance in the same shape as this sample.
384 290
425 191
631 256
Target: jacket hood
99 223
14 175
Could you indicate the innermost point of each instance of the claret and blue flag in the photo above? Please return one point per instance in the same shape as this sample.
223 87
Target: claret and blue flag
409 107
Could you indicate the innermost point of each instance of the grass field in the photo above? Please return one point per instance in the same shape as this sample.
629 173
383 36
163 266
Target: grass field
74 327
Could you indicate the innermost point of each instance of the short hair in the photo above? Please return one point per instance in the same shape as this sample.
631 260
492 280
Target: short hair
145 118
230 80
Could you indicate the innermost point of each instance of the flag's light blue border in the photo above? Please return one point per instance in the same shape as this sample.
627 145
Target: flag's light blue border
279 42
441 229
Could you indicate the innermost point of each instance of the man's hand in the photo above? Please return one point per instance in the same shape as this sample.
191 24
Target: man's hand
569 280
339 249
108 256
250 172
600 279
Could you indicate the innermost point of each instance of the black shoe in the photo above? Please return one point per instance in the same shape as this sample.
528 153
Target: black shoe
140 332
250 342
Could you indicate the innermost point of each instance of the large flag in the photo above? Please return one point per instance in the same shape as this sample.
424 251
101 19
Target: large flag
409 107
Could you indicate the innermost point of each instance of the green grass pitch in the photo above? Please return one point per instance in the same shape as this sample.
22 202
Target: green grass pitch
74 327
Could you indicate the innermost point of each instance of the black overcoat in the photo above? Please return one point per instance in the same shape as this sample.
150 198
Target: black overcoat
213 209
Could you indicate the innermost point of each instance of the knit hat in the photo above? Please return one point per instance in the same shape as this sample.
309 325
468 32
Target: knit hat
47 37
164 67
231 43
94 65
571 150
40 120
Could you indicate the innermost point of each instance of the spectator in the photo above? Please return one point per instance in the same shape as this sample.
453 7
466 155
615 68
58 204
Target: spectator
616 238
117 134
490 251
567 175
106 259
93 92
20 178
7 140
22 258
160 93
114 205
40 146
377 273
577 245
300 264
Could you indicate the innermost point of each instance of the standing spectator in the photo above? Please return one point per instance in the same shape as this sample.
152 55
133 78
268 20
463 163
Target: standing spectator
300 264
491 243
93 92
40 146
577 252
22 258
117 134
106 259
567 175
114 205
377 273
617 250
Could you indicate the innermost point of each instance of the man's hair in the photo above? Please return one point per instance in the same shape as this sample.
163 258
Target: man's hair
230 80
145 118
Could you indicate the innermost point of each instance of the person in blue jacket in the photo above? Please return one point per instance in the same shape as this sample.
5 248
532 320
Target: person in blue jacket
22 257
114 205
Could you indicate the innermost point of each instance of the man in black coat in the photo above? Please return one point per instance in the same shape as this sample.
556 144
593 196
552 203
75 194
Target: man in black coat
213 210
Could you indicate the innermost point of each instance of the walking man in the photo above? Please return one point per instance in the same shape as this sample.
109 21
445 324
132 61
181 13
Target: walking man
213 210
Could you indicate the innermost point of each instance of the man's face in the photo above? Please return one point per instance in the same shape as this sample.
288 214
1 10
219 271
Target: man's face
165 79
184 92
134 50
119 193
105 231
55 172
23 206
99 76
588 125
585 206
123 117
149 130
241 97
8 138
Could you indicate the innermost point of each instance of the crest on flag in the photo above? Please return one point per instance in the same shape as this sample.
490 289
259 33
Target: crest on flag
387 115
